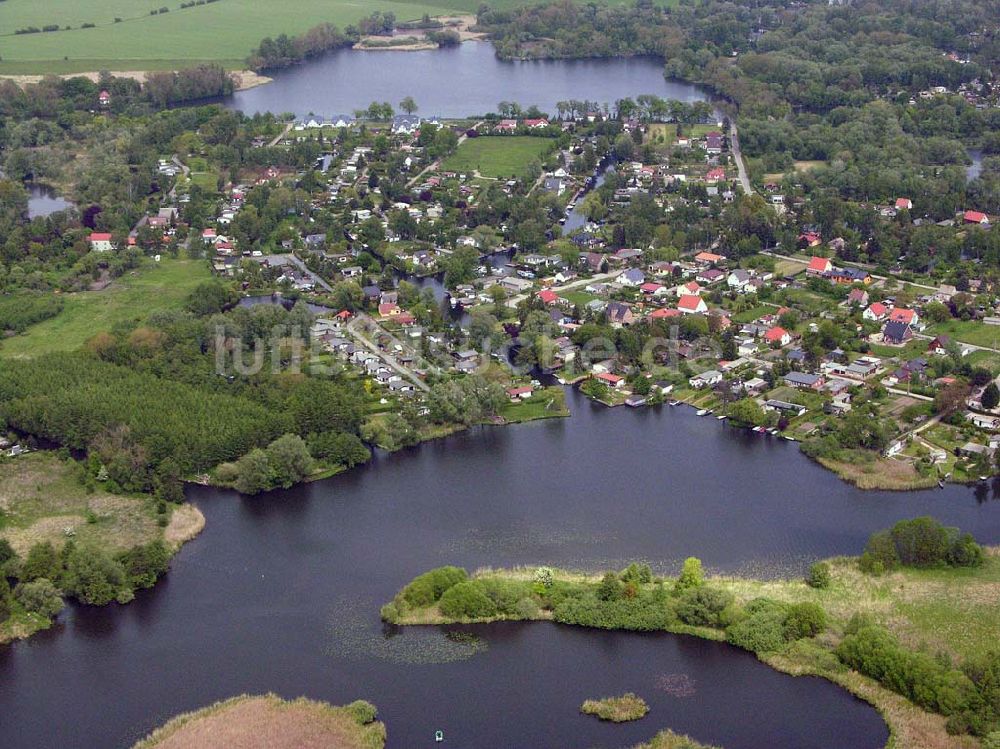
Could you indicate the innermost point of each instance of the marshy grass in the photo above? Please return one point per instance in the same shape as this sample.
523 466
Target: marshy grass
617 709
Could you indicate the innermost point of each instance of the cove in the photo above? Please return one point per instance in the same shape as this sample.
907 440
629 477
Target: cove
456 82
282 592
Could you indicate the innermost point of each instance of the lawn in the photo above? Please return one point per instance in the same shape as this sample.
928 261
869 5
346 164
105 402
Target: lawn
543 404
154 287
498 156
662 134
968 331
224 31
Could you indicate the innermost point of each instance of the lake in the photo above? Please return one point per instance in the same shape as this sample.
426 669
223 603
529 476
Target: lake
281 592
43 201
453 82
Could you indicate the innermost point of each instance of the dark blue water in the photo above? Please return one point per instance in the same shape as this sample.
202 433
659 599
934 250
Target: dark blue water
281 592
454 82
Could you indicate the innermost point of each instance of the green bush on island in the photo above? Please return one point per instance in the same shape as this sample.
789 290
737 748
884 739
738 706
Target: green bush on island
467 601
691 575
703 606
819 575
428 588
920 542
616 709
40 597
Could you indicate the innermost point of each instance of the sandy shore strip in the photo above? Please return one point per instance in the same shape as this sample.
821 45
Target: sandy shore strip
243 79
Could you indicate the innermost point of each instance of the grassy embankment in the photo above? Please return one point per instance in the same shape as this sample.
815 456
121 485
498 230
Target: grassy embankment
42 499
954 612
151 288
498 156
269 721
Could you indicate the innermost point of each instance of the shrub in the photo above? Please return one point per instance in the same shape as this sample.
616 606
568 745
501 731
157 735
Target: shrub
763 629
880 554
702 606
920 542
42 561
143 565
93 576
691 575
917 676
819 575
610 587
805 619
39 597
642 614
428 588
467 601
362 712
641 574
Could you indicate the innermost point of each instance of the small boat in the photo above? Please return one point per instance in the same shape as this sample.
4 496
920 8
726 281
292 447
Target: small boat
438 736
702 411
720 417
674 402
940 484
787 437
759 430
772 431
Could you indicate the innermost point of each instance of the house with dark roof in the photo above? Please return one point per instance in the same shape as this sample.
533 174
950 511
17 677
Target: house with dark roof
896 332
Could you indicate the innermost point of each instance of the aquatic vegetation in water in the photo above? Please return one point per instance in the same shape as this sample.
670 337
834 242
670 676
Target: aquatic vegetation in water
676 685
356 633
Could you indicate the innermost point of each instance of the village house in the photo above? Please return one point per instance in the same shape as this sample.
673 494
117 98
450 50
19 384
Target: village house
690 304
819 266
705 379
896 332
777 336
613 381
100 241
804 380
619 314
876 311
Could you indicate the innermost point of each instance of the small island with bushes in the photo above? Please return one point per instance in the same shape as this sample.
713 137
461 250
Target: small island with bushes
910 626
616 709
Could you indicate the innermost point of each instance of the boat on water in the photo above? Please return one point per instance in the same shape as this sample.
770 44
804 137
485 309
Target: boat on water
721 417
940 483
674 402
702 411
759 430
772 431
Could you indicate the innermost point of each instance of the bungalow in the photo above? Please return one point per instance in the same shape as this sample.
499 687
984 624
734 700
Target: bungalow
595 261
896 332
519 393
984 421
705 379
104 98
691 304
351 271
804 380
654 290
939 345
819 266
613 381
549 297
632 277
708 258
975 217
100 241
777 336
710 276
974 450
754 386
664 313
713 142
784 407
506 126
619 314
535 123
849 276
904 204
514 285
876 312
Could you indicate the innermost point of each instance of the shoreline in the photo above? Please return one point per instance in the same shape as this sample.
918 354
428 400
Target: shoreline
243 80
908 724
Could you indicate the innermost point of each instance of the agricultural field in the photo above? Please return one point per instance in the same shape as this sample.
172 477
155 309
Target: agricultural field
151 288
498 156
224 31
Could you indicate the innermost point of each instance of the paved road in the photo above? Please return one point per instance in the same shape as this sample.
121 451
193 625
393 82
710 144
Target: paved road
734 144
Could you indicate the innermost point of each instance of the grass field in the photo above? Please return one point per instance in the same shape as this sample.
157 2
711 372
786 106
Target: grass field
41 498
224 31
976 333
498 156
152 288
